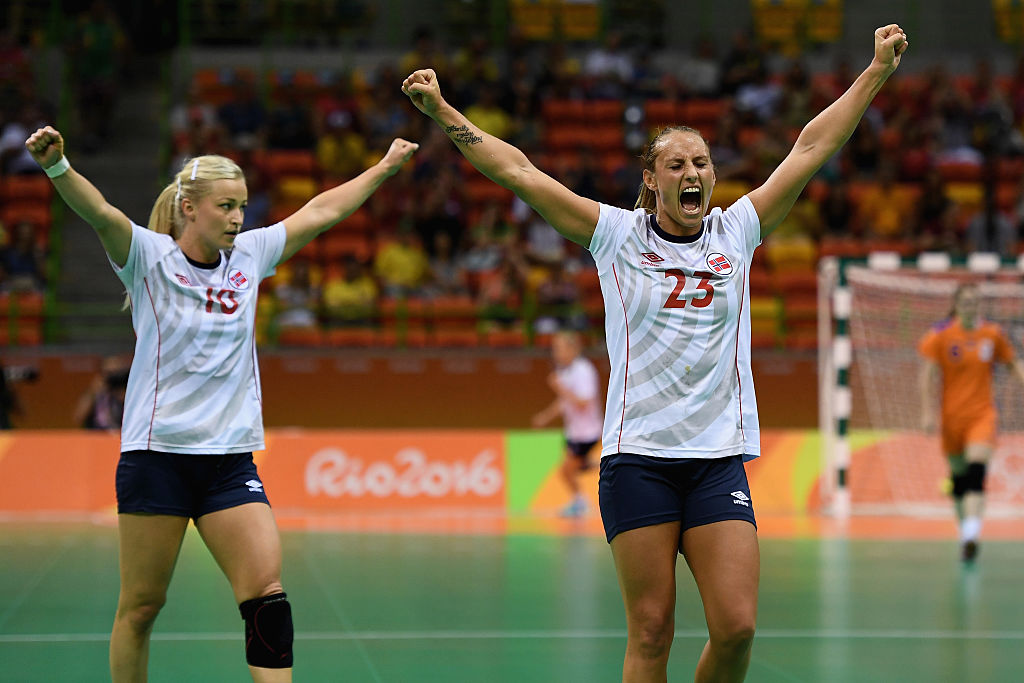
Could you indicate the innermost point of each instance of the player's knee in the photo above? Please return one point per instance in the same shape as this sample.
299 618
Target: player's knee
141 614
652 632
269 632
734 637
960 485
975 477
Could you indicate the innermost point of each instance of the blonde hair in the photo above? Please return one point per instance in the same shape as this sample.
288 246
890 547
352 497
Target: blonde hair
192 182
647 199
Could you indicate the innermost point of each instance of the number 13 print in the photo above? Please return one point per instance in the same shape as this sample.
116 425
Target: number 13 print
676 300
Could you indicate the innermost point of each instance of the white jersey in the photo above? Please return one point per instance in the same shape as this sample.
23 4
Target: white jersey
677 321
580 378
194 385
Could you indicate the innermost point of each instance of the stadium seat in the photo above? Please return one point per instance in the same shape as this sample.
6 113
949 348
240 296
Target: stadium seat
702 114
454 336
18 188
960 171
289 162
340 243
306 337
34 212
512 338
352 337
557 112
659 113
604 112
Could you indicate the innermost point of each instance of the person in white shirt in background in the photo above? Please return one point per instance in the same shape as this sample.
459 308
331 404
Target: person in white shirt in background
578 401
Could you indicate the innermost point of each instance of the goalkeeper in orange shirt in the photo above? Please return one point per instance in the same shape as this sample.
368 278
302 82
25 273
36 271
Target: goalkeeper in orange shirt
961 351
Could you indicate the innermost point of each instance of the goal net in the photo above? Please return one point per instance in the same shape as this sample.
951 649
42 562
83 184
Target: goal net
894 466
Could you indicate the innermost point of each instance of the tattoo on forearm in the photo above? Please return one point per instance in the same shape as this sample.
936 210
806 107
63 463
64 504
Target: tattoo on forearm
463 134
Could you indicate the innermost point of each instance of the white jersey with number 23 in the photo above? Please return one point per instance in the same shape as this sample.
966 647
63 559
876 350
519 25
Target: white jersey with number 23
677 322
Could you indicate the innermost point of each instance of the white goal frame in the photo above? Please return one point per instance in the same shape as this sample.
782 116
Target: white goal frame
835 358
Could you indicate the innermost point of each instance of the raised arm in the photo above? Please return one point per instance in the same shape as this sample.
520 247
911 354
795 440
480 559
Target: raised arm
327 208
827 132
114 229
573 216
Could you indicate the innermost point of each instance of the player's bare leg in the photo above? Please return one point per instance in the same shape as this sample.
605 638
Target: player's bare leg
957 468
725 560
645 561
244 541
570 472
148 550
975 455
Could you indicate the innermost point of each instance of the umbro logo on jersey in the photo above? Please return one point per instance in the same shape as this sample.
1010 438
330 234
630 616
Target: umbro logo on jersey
740 498
238 279
719 263
650 258
182 279
254 485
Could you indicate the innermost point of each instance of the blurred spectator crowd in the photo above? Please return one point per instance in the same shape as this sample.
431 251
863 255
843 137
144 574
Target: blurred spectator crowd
440 255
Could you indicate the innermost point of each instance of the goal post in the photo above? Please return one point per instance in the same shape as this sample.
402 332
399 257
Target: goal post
872 314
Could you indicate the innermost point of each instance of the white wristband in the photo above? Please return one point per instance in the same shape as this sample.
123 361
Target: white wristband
59 168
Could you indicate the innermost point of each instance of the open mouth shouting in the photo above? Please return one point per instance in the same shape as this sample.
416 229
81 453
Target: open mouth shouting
689 200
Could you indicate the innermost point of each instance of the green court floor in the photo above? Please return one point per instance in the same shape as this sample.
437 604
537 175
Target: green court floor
515 608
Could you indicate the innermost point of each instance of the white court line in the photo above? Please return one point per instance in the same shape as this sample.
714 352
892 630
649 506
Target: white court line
768 634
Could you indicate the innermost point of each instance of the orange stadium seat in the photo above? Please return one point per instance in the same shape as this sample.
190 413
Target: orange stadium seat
1011 169
282 162
702 113
307 337
482 190
26 187
573 136
341 243
563 111
34 212
960 171
352 337
512 338
662 112
604 112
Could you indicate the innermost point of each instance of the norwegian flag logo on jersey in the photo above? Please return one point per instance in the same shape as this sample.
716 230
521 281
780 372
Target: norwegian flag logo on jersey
182 279
238 279
719 263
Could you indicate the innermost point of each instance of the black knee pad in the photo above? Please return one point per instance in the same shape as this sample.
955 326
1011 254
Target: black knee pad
960 486
975 477
268 631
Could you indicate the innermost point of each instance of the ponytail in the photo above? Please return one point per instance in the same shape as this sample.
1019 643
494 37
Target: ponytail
647 199
161 218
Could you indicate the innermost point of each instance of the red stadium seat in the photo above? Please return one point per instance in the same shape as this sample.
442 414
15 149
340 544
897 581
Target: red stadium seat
35 212
352 337
662 113
284 162
300 336
604 112
14 188
563 111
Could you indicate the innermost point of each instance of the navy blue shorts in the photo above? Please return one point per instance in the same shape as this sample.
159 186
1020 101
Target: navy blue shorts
186 485
639 490
580 449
